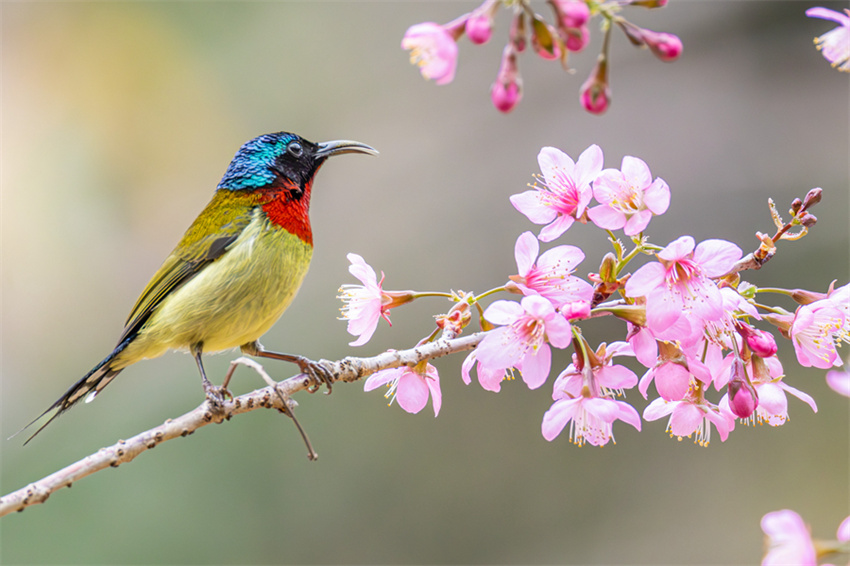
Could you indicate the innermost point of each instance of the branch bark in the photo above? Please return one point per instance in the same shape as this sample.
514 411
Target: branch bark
348 369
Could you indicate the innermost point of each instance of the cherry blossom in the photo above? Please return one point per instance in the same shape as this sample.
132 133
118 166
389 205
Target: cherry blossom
565 191
550 274
629 197
522 342
433 49
410 388
679 285
834 44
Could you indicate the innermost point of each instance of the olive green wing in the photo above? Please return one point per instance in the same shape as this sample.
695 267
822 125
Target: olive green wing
206 240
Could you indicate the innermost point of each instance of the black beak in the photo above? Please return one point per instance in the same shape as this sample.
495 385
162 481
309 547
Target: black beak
338 147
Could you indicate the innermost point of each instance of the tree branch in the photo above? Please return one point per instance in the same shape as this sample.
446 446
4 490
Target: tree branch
348 369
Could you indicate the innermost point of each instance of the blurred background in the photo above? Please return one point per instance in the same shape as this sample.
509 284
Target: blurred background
118 119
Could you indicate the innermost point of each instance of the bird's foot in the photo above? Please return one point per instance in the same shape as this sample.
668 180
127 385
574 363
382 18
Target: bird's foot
318 373
216 395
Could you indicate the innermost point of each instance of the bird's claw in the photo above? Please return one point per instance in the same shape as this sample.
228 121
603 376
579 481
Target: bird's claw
318 373
216 395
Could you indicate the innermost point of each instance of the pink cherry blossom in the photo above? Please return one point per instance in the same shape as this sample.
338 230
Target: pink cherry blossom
834 44
565 191
490 379
410 388
813 333
689 416
433 49
591 419
673 373
629 197
550 275
607 378
364 305
788 540
679 285
522 342
839 380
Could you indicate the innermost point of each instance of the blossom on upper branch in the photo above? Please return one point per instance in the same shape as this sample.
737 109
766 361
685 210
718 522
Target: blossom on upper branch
433 49
523 341
679 283
565 191
629 197
834 44
549 275
693 414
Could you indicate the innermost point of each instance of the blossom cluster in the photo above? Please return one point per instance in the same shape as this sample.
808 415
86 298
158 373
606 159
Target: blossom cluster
688 317
433 47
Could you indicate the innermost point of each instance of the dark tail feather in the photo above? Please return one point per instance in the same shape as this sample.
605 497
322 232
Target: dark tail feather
90 385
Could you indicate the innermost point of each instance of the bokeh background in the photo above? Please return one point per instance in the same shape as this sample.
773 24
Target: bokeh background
118 119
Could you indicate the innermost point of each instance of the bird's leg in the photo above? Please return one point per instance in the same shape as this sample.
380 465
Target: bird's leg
214 394
315 370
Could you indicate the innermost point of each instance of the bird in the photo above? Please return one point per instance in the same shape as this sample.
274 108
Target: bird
234 272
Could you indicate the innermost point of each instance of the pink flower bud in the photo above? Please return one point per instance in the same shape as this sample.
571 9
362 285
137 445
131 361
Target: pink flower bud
743 399
762 343
573 13
479 27
506 91
576 39
544 40
665 46
505 96
595 94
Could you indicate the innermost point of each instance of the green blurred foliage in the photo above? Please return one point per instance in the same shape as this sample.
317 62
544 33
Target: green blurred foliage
118 120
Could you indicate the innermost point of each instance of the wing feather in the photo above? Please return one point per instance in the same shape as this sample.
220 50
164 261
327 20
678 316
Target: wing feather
206 240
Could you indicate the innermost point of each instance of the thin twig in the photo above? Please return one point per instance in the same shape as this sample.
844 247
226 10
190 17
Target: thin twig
272 397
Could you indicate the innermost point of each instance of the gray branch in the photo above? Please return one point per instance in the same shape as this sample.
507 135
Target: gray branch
348 369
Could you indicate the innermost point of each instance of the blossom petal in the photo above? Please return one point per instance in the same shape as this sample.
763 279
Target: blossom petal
535 366
532 206
525 252
412 392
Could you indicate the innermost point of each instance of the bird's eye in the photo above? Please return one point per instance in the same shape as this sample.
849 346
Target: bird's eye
295 149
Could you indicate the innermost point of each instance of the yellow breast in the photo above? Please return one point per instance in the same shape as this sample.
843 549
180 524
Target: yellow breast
232 301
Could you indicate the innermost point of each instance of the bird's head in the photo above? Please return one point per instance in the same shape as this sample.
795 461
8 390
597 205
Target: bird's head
285 159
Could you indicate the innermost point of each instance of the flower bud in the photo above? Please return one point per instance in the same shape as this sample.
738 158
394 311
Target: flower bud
479 28
506 91
812 197
804 297
575 39
543 39
595 94
761 343
796 205
606 268
479 25
456 319
808 220
743 398
665 46
572 13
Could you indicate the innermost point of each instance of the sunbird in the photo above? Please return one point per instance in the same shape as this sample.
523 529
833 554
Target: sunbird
234 272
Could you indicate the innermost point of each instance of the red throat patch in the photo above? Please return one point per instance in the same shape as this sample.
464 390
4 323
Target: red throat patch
293 215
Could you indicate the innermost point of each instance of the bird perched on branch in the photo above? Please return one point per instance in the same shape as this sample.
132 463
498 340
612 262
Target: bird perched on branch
235 271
